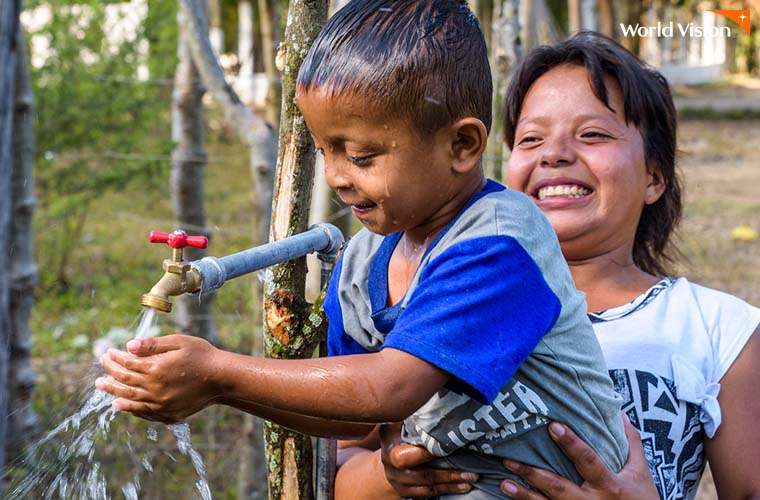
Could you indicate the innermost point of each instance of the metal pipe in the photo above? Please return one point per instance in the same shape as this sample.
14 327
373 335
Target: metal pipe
323 238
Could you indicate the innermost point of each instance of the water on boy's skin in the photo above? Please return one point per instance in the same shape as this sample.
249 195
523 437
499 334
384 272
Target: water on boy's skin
73 460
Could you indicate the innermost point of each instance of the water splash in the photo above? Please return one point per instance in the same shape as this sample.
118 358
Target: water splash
80 457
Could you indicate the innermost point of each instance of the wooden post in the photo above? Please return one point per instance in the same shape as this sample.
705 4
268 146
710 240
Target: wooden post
9 21
22 420
187 179
291 329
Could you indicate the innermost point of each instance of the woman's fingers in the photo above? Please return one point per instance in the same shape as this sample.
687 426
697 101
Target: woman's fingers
588 463
517 491
552 486
406 456
635 448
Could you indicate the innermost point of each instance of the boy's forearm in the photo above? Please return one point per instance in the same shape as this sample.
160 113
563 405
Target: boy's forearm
301 423
369 388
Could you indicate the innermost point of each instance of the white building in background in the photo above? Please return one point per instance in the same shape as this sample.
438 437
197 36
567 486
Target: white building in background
685 51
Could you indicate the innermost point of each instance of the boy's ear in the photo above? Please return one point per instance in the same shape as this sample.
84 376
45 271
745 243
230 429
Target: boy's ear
469 137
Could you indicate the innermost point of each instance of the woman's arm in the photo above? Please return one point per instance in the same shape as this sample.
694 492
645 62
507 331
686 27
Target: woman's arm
734 452
177 375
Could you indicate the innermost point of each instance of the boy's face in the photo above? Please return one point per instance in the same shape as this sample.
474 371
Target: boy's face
391 178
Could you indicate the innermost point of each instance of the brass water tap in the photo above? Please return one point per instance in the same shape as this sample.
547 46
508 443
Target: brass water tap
178 277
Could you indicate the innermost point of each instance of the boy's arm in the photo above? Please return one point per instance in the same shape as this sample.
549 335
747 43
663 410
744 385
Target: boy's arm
302 423
176 376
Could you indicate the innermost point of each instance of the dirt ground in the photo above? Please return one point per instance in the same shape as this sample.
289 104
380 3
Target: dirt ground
721 176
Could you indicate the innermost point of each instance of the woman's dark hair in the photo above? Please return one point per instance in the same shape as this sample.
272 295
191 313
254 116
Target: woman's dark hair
420 60
647 103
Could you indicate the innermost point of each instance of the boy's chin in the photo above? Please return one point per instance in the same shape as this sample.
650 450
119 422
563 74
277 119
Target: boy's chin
379 230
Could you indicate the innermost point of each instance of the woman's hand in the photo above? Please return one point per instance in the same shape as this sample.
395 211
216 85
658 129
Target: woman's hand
401 463
633 482
165 379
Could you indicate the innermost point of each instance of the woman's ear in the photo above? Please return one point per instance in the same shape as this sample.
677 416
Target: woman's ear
655 185
469 137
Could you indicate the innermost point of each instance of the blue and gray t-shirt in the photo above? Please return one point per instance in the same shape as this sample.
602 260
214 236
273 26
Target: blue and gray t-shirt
493 304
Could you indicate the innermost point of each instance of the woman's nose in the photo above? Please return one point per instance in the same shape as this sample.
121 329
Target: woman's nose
557 153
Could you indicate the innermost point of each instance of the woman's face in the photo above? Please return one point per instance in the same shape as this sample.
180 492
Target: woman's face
581 163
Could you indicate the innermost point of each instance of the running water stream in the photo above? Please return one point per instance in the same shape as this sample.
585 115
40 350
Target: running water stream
71 460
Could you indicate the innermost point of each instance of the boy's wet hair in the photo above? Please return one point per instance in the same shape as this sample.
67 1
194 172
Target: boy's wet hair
647 103
424 61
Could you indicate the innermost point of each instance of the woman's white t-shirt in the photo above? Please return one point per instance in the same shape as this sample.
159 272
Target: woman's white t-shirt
666 352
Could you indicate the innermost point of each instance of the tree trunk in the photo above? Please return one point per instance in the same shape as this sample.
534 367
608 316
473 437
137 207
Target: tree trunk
505 54
193 316
252 130
269 23
215 21
9 21
573 16
589 20
607 17
259 138
22 420
485 15
245 51
290 329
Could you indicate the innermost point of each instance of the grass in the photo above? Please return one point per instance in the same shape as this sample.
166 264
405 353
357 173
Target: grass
114 264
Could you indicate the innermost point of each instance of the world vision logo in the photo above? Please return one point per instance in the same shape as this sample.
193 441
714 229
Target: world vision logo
671 29
740 17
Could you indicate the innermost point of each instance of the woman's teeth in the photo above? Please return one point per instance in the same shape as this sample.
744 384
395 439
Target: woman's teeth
569 191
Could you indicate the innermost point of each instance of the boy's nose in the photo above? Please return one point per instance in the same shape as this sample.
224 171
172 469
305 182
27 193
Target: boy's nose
557 153
336 175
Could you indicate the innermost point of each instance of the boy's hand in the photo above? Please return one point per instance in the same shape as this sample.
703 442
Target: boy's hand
164 379
401 463
633 482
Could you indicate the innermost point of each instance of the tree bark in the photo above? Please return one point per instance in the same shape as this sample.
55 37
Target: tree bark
291 329
193 316
9 21
22 420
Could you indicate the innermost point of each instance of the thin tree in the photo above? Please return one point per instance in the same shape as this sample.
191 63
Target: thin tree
607 15
259 138
269 24
9 22
291 331
506 51
574 20
252 130
193 316
22 420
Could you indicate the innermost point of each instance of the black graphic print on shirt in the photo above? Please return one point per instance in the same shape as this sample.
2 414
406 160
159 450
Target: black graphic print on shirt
670 431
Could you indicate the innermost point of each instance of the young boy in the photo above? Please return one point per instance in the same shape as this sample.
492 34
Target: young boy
453 310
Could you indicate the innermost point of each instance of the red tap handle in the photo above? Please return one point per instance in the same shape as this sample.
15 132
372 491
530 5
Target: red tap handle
178 239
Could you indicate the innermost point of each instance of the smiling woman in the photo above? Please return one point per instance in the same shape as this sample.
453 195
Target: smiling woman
593 134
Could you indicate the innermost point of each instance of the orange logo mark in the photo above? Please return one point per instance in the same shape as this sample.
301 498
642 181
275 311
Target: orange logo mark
740 17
